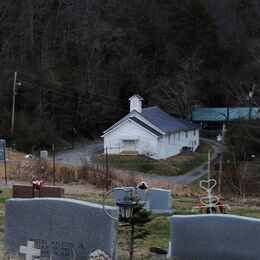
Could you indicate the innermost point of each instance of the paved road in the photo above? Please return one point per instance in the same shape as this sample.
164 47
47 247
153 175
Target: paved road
192 175
203 169
83 153
79 155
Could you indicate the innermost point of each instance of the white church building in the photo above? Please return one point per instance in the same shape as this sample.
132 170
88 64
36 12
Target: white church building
150 131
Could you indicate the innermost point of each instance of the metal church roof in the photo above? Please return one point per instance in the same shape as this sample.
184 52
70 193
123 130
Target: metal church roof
159 119
166 122
150 129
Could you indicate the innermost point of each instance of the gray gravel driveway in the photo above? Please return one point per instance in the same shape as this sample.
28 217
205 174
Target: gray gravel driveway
83 153
194 174
80 154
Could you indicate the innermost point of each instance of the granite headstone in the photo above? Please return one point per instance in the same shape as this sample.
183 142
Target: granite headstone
61 228
215 237
119 195
2 150
160 200
44 154
25 191
143 195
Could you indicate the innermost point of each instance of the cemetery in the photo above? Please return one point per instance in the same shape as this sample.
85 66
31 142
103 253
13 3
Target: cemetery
129 130
44 220
66 227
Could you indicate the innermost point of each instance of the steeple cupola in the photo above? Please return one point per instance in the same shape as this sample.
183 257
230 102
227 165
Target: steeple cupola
136 103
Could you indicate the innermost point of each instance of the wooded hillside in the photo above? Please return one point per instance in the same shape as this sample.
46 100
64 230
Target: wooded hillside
80 61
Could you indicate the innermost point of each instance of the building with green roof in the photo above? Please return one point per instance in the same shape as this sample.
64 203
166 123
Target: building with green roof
222 114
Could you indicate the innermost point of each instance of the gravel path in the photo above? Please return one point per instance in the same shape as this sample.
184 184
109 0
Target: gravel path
75 157
80 154
192 175
203 169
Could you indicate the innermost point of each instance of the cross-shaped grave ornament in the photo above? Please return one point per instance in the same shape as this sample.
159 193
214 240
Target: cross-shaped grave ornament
30 250
209 201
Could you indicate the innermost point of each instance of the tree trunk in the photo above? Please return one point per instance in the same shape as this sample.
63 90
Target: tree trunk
131 245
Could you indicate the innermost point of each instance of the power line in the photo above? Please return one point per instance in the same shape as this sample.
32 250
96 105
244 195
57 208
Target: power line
31 86
69 110
74 88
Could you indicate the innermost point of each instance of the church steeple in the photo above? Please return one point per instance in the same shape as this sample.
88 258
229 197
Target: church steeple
136 103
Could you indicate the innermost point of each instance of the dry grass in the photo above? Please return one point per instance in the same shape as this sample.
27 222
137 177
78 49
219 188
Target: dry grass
159 226
88 184
21 169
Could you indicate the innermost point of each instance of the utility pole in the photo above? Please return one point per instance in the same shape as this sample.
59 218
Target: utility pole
13 106
250 98
53 160
3 156
74 132
106 178
221 157
208 169
4 151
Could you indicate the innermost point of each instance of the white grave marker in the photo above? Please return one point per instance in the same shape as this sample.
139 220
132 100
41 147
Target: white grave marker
30 251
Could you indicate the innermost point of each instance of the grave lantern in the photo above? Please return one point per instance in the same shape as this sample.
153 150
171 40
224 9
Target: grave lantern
126 206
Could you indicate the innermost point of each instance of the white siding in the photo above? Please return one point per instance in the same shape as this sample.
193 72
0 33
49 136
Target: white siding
177 141
145 142
136 104
142 141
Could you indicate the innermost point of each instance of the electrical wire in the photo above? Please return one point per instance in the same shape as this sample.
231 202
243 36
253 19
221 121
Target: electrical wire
31 86
73 87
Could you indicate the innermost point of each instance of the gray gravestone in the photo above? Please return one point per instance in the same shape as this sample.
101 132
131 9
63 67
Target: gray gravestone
44 154
119 195
61 228
160 200
2 150
142 195
215 237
